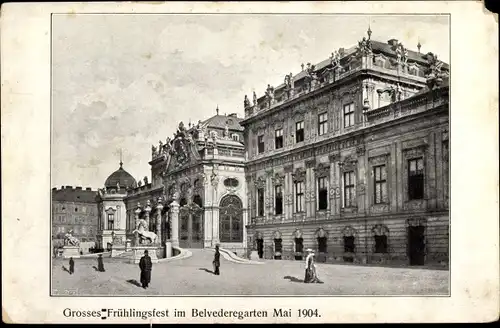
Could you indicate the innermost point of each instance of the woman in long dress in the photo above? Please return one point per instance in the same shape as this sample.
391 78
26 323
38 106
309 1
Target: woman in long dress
311 276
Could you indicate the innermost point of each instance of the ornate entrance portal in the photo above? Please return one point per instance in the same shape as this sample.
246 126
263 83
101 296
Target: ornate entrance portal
191 226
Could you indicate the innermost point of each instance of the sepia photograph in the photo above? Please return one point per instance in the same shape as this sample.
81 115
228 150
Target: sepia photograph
303 155
245 162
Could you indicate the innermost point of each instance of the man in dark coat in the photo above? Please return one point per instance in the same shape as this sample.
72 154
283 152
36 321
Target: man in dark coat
216 261
71 265
100 264
146 266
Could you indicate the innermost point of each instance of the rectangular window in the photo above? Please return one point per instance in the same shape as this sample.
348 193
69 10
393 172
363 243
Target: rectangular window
299 131
322 123
416 178
260 142
278 139
380 184
322 194
260 202
349 192
111 221
348 115
299 197
278 198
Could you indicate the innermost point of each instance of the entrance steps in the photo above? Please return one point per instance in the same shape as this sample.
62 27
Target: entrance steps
182 254
230 256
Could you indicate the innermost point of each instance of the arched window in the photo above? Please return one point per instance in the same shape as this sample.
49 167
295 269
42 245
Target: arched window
197 200
231 219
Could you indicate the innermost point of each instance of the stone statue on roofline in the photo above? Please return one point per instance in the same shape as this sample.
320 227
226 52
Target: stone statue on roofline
269 95
246 102
254 99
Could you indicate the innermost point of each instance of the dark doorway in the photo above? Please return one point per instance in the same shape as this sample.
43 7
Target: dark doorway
299 248
278 248
349 248
416 245
260 248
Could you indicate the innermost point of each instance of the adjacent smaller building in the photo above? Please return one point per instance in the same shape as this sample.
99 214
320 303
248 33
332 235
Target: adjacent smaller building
74 210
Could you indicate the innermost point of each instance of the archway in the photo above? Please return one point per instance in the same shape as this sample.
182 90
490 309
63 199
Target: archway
191 232
231 219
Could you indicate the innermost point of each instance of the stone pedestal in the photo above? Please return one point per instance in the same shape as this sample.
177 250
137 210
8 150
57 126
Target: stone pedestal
71 251
138 252
168 249
174 214
254 255
117 250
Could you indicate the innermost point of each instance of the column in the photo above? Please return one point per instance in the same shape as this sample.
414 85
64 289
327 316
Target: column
269 195
310 185
333 185
361 179
136 234
174 215
159 208
431 164
288 190
147 210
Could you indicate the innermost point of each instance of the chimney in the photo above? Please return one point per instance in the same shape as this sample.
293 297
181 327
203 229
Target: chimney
54 188
69 187
78 188
393 42
88 189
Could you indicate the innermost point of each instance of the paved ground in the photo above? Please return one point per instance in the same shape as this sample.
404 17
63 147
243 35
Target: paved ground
193 276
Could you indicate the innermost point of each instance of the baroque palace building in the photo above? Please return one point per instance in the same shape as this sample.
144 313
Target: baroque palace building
198 175
349 157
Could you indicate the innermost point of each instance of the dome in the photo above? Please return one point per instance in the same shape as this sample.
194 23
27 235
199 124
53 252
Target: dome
121 177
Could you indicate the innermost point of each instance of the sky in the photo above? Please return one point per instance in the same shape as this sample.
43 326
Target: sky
126 81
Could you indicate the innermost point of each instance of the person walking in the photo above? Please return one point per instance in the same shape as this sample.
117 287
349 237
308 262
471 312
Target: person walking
311 276
71 265
100 264
216 261
146 266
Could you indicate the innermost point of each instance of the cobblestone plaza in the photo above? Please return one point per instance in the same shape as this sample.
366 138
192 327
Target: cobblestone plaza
192 276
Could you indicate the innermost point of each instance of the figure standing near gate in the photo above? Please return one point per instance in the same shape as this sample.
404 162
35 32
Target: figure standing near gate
100 264
216 261
146 266
71 265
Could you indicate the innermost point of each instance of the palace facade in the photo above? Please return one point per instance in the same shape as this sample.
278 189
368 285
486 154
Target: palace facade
350 158
197 177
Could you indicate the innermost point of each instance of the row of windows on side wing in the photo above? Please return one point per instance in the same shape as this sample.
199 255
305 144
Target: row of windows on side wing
299 128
